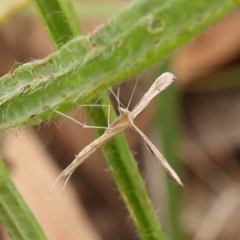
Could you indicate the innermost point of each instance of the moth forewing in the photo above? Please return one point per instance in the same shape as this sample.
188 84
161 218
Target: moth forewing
118 125
159 85
150 146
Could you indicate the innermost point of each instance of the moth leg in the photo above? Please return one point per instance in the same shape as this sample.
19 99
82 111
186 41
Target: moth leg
117 97
100 105
83 124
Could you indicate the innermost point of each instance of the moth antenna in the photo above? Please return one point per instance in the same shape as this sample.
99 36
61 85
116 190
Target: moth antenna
117 98
132 93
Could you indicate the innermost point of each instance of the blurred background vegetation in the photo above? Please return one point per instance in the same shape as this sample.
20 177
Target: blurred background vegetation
195 123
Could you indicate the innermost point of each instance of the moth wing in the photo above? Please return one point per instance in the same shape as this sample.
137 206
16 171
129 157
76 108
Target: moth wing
86 152
159 85
150 146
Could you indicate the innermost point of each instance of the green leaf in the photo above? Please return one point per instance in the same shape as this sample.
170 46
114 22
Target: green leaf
14 212
138 37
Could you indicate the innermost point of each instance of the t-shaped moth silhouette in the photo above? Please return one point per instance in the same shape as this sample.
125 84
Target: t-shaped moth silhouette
123 121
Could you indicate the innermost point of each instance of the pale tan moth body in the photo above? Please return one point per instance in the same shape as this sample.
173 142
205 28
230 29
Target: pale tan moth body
123 121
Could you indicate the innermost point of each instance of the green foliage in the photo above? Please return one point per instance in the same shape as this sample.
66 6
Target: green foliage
168 118
143 33
139 36
14 212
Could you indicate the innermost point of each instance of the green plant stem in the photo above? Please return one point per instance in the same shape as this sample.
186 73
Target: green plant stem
143 33
52 23
71 17
14 212
170 121
126 175
168 117
120 162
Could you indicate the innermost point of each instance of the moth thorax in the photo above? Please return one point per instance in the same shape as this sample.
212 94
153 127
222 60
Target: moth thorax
123 110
